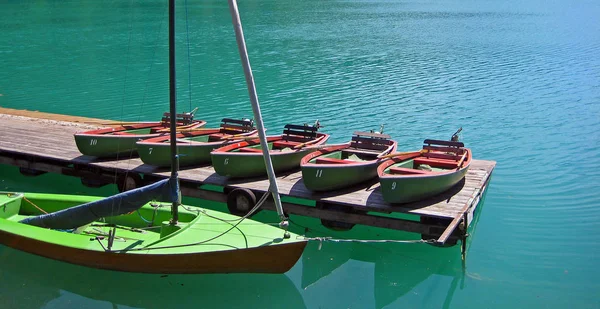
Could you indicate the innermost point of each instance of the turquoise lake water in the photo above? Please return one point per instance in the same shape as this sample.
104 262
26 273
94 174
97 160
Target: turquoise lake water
521 77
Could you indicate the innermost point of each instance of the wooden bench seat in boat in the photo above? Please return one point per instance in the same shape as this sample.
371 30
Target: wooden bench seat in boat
437 162
333 161
216 136
373 153
250 149
299 133
235 126
285 144
407 171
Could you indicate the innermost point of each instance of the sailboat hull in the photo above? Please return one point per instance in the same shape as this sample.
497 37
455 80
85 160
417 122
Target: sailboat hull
268 259
203 242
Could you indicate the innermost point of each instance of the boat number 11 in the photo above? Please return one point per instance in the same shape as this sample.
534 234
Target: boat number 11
319 173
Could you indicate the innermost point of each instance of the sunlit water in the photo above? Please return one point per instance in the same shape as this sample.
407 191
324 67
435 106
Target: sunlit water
521 77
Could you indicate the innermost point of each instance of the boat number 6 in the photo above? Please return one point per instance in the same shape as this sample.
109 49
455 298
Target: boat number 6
319 173
394 185
93 142
226 161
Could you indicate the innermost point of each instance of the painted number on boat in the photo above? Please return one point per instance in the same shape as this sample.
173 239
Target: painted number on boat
319 173
150 150
394 185
226 161
93 142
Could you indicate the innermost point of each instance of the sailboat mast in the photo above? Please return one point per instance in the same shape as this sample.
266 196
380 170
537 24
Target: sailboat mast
239 35
172 108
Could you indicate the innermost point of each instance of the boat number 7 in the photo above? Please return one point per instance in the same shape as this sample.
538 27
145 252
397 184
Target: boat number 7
394 185
319 173
150 150
93 142
226 161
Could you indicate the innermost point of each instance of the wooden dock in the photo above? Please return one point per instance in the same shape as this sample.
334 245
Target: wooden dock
39 142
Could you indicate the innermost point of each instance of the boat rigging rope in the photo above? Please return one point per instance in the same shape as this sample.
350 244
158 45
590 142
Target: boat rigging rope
187 32
233 226
34 205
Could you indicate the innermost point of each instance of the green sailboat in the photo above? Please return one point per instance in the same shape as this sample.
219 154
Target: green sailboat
130 232
194 145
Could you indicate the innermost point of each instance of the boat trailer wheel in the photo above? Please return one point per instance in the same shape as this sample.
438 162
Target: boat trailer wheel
240 201
128 182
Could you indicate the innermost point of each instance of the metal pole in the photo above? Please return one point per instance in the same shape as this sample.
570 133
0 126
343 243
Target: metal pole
239 35
172 108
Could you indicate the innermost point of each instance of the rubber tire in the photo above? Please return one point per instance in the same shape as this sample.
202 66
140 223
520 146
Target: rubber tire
129 182
240 201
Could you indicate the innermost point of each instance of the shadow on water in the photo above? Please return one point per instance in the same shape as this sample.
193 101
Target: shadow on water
36 281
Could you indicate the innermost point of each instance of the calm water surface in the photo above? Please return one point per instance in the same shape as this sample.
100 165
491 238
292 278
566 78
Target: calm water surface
521 77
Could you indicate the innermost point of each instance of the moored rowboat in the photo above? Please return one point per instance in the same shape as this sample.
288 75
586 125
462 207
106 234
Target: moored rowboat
347 164
194 145
109 142
413 176
245 159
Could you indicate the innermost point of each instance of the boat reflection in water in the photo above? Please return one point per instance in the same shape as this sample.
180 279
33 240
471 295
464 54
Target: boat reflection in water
30 281
388 273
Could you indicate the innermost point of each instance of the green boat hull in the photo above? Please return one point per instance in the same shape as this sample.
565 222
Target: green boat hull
237 165
402 189
189 155
200 243
108 145
327 177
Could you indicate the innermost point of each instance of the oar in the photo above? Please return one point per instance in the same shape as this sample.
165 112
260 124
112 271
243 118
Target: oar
460 162
327 146
308 143
241 135
397 154
183 129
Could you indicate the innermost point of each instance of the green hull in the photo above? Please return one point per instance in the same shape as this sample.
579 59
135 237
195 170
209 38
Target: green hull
201 243
237 165
159 154
405 189
108 145
326 177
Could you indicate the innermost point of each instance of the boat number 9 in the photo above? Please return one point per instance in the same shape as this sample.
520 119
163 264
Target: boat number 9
394 185
150 150
93 142
226 161
319 173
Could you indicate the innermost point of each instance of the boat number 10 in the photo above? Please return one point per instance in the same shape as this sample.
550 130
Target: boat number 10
93 142
319 173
